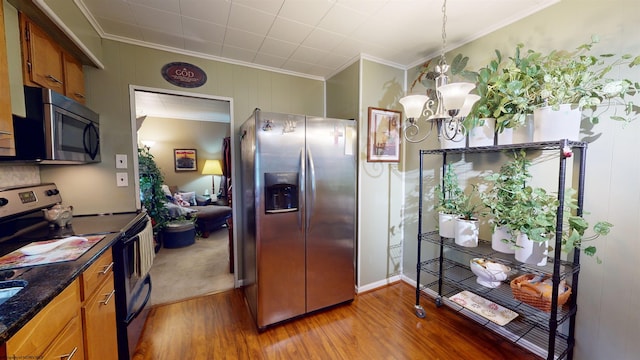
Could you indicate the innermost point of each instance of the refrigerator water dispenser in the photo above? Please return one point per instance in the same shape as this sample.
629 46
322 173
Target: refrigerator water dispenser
281 192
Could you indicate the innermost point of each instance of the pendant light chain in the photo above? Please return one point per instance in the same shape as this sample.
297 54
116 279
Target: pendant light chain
444 33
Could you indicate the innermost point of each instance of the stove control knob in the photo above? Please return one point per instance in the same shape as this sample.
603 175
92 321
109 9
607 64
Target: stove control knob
52 192
3 201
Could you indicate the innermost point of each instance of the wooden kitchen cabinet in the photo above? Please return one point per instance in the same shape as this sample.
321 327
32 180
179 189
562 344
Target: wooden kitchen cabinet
73 78
46 64
7 144
53 331
99 310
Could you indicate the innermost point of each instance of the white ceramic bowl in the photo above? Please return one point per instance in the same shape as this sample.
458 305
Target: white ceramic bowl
489 273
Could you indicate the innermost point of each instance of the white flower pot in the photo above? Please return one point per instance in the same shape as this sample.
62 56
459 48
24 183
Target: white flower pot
483 135
497 244
446 225
467 232
554 125
531 252
520 135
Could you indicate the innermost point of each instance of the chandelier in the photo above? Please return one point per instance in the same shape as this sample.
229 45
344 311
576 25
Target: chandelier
452 104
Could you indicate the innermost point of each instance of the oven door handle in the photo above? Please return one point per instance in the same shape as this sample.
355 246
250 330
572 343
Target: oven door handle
131 239
129 319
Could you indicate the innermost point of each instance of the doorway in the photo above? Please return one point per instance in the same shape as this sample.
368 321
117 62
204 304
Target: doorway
166 120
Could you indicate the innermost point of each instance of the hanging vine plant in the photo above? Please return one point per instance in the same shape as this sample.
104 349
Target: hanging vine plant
151 194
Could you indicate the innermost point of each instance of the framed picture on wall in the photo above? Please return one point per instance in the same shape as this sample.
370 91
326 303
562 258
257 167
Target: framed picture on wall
185 160
383 136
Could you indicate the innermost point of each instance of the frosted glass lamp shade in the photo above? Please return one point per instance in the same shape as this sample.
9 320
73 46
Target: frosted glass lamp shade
413 105
454 94
212 167
469 101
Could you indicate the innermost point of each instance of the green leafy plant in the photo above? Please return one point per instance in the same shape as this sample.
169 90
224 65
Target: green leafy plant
469 207
504 86
449 194
504 189
151 194
582 79
534 213
574 228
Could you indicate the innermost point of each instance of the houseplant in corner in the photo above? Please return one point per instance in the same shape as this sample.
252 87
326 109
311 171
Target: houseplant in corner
500 196
573 83
151 194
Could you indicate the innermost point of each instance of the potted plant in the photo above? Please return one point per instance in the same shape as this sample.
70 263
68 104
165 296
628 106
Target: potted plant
450 196
151 194
466 223
533 221
500 197
504 86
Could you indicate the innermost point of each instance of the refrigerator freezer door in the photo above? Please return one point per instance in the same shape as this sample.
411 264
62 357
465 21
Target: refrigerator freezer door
280 235
331 208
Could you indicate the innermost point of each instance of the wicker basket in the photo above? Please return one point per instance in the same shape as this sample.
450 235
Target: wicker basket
533 296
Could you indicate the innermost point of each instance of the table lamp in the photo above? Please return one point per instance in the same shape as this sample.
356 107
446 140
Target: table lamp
212 167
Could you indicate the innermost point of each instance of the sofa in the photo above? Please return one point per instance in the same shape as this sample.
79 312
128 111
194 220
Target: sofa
209 216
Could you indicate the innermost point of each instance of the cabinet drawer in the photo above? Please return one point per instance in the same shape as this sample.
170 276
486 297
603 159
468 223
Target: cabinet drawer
99 317
69 345
96 273
36 336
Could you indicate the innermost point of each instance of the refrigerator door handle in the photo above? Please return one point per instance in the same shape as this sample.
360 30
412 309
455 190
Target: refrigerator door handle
301 183
312 193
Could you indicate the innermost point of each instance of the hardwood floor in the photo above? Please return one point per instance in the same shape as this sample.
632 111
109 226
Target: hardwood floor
377 325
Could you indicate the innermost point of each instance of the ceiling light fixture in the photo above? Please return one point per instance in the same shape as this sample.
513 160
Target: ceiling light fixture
453 101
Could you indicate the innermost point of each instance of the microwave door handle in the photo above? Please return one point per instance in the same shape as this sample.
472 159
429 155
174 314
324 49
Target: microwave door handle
88 131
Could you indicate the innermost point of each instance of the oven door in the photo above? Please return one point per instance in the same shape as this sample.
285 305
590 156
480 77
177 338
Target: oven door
133 291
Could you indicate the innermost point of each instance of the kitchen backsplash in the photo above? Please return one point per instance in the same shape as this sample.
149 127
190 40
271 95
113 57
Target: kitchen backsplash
14 175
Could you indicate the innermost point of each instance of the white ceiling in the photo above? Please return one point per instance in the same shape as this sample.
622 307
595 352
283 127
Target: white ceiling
314 38
311 38
181 107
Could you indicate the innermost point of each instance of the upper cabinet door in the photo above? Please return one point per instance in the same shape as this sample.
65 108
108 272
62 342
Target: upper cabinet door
44 60
73 79
6 122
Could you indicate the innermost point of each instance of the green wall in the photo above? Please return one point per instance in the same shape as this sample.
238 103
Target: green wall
108 95
607 319
380 184
343 93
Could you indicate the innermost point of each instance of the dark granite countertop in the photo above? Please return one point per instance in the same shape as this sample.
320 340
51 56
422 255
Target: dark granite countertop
45 282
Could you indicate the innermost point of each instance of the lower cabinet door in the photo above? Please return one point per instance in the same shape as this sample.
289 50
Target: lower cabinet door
99 316
68 345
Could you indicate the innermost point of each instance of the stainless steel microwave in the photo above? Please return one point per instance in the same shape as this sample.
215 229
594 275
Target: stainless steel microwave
56 130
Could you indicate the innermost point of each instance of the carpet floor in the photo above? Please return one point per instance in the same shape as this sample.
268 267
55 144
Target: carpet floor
191 271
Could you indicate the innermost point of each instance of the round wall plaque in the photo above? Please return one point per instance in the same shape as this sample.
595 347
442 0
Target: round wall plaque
184 74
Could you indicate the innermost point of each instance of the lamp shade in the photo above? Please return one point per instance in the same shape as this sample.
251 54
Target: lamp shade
469 101
413 105
212 167
454 94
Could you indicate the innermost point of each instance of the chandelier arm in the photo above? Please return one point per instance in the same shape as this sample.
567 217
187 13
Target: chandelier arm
412 129
452 128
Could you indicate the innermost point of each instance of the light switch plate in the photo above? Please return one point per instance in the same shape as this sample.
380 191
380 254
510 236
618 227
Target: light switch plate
122 179
121 161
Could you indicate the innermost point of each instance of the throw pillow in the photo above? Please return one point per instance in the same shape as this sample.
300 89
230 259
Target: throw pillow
189 197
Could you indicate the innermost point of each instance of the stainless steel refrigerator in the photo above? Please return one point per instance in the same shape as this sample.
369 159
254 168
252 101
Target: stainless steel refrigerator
298 189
